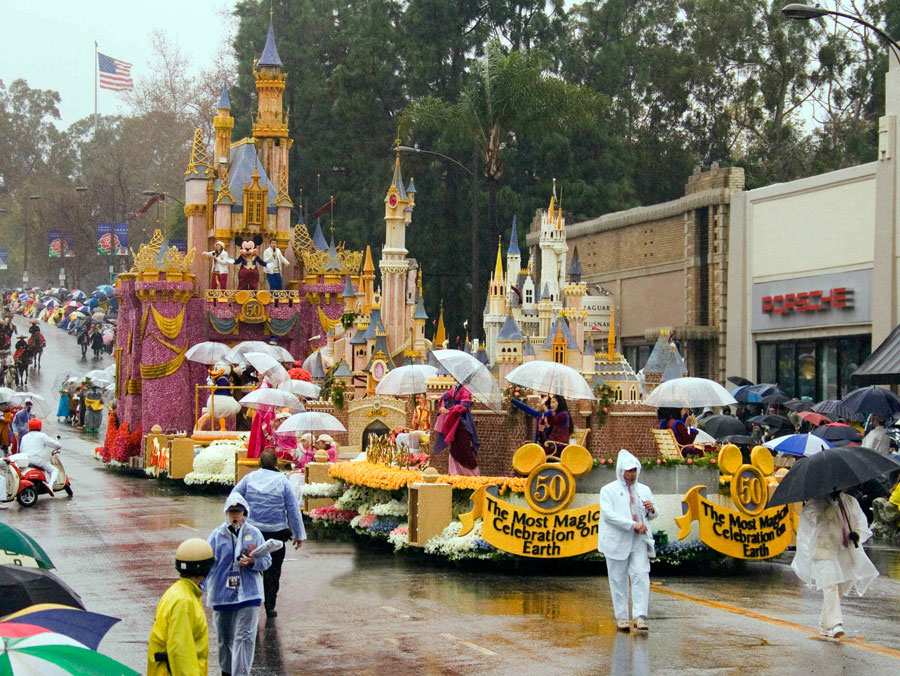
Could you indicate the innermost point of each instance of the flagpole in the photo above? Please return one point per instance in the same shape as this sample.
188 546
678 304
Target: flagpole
95 88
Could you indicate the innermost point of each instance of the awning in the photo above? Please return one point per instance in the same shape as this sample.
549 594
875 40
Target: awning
883 365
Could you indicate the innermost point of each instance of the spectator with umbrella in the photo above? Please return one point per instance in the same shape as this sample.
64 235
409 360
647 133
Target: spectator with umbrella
832 525
877 438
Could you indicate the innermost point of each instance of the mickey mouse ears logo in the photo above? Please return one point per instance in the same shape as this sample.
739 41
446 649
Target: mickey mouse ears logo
749 490
551 480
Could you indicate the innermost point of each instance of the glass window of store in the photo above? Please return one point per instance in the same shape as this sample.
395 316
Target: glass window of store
637 355
818 369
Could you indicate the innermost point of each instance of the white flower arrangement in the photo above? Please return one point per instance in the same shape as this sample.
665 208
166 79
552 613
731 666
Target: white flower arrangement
321 490
398 539
357 496
215 463
454 547
392 508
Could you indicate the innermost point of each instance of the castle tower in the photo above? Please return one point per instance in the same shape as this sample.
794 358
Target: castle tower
575 292
419 319
496 307
510 345
513 264
223 123
440 334
198 206
368 282
270 132
398 208
553 248
545 312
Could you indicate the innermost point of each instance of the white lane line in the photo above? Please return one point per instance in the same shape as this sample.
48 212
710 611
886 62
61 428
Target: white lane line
473 646
396 611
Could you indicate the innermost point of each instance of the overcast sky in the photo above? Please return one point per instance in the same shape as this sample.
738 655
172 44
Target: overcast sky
50 43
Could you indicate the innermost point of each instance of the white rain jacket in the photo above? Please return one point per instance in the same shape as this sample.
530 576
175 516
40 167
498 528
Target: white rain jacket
228 549
616 523
821 559
38 448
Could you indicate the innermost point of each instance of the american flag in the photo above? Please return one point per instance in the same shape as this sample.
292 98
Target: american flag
114 74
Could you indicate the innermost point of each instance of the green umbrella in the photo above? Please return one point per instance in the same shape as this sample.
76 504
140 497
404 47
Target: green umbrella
14 541
30 650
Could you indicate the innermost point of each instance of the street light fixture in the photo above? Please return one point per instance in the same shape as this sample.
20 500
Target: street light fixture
474 319
801 12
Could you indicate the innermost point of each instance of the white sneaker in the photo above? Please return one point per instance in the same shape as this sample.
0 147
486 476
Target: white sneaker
623 625
837 632
641 624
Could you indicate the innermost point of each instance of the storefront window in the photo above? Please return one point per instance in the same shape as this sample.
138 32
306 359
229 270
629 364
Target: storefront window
818 369
637 355
786 375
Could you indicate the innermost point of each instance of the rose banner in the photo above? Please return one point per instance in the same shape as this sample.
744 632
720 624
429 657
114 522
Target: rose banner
105 239
57 243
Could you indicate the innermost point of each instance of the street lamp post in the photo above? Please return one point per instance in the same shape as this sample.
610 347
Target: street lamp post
474 319
885 293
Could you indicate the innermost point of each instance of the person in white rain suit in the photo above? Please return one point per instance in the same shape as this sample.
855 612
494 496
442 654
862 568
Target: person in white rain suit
829 556
626 508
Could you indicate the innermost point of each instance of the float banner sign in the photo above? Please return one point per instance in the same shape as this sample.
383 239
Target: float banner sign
179 243
734 533
526 532
120 230
104 238
69 240
4 258
56 243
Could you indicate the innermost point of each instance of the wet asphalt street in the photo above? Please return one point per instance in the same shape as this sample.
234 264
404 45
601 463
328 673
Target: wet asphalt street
350 610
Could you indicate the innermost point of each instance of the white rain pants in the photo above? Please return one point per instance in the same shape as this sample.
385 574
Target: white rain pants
236 639
636 568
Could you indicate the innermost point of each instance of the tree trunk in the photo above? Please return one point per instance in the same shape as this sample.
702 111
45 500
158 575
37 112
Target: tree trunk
474 310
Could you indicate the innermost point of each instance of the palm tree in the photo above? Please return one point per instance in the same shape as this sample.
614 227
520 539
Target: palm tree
509 94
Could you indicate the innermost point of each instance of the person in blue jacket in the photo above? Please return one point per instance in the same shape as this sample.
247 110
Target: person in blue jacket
276 513
234 587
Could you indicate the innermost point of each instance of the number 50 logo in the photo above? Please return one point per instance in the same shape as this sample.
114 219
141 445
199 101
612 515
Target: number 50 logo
550 488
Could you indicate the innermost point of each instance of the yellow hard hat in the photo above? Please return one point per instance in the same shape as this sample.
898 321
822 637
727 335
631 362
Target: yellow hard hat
194 558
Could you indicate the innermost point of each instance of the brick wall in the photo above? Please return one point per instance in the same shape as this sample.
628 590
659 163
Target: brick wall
628 426
656 242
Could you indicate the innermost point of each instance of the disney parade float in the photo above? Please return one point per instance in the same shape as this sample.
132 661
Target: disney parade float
459 454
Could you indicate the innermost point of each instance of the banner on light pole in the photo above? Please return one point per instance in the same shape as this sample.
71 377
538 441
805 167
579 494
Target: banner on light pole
57 243
4 258
105 241
120 231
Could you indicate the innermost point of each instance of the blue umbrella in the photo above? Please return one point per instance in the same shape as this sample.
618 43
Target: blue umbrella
108 289
873 401
798 444
85 627
84 308
93 302
746 395
98 295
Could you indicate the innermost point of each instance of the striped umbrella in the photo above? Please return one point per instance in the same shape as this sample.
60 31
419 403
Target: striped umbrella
29 649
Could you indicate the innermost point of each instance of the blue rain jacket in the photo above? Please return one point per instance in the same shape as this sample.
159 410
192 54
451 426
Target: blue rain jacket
228 549
275 506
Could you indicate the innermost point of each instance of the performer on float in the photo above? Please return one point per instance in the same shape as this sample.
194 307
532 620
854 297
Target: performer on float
261 431
249 262
555 425
220 263
421 415
275 265
455 429
829 556
221 403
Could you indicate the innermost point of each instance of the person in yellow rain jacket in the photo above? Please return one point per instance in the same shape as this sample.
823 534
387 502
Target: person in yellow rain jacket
179 639
886 513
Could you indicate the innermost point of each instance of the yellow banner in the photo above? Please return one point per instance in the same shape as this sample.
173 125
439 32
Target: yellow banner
525 532
734 533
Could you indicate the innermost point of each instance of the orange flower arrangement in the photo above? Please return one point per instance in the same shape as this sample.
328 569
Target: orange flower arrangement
394 478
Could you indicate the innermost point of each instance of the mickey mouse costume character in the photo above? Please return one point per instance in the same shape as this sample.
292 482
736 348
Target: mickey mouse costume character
248 262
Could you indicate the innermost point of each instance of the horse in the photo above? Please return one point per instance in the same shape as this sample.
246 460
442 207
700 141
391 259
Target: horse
22 359
36 345
7 370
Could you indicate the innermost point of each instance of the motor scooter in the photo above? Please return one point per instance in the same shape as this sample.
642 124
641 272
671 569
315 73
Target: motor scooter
25 484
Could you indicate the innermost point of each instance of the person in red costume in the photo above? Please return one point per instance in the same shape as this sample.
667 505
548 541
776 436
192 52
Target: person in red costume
248 262
681 426
455 429
555 426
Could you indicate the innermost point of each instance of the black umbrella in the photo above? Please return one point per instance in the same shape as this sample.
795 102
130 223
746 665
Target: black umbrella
777 399
798 405
837 433
835 408
738 440
737 380
834 469
873 400
722 425
777 422
22 587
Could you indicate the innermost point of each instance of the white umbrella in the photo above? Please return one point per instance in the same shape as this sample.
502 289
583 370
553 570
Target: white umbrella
207 352
473 374
409 379
40 407
689 392
310 421
267 365
704 438
99 376
553 378
270 397
238 354
6 395
111 370
301 388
